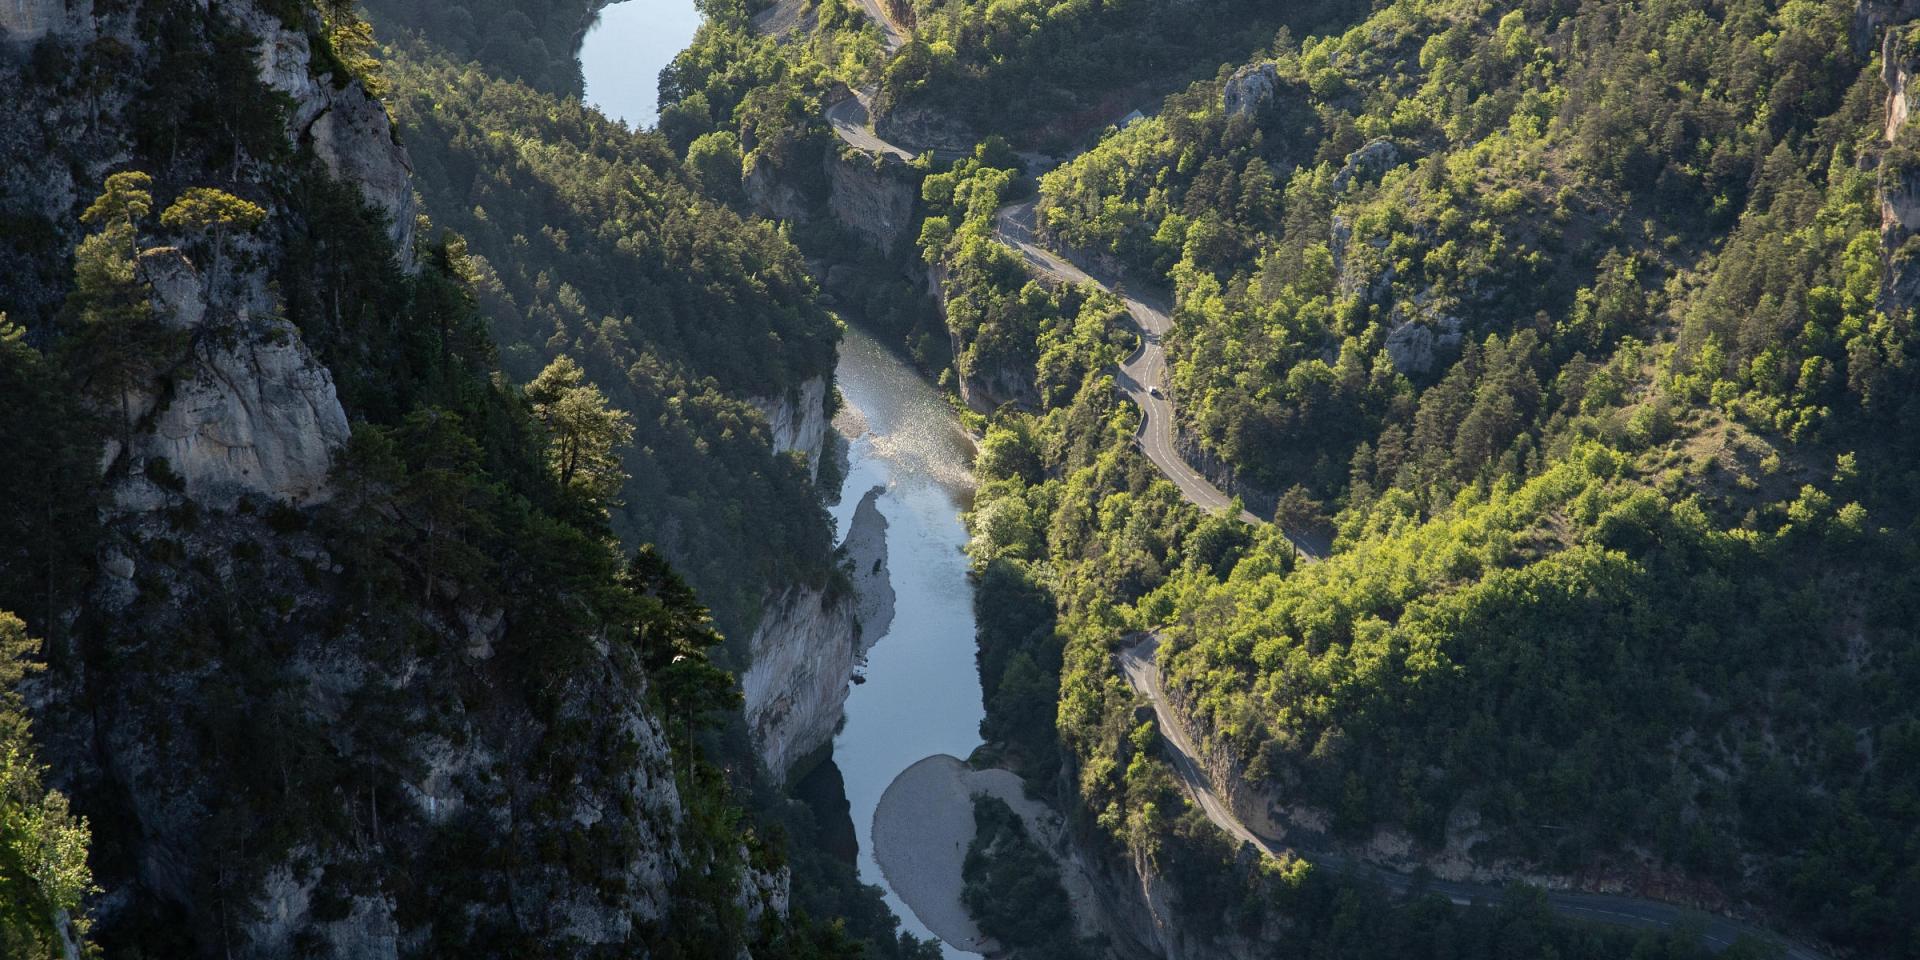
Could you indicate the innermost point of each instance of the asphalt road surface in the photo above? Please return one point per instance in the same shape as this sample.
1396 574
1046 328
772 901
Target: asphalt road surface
1139 374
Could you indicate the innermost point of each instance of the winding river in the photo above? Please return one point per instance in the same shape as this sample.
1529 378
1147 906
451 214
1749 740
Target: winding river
921 695
922 691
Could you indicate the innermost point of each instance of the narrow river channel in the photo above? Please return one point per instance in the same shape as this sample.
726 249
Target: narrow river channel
921 694
922 691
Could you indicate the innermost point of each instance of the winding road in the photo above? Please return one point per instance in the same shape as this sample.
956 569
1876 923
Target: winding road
1142 670
1139 377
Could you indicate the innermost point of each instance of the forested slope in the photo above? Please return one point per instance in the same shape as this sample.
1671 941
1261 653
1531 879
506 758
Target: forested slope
1573 321
589 240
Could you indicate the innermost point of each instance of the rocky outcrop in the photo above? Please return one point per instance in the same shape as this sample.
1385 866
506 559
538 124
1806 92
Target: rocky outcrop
247 410
797 421
872 196
986 388
1899 173
1870 17
1373 159
801 668
1414 345
355 139
1250 88
348 129
28 20
771 196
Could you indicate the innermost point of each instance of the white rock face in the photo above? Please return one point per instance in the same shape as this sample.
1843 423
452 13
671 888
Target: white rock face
355 140
33 19
258 417
1899 188
252 410
1900 206
798 421
350 130
1412 345
802 656
1250 88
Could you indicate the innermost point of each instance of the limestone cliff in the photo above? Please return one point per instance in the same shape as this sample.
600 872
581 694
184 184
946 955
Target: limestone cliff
1900 171
347 128
800 656
798 421
249 411
799 674
279 760
873 197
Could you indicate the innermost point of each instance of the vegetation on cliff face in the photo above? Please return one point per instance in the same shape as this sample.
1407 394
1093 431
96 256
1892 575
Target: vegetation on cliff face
588 241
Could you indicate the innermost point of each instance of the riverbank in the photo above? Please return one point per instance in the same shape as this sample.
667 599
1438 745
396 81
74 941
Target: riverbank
924 825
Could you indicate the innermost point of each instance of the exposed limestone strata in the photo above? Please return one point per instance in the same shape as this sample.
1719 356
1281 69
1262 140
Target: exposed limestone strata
872 197
801 668
247 409
797 421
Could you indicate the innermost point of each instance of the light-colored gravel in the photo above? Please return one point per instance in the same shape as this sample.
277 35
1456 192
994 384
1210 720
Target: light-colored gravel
921 830
866 545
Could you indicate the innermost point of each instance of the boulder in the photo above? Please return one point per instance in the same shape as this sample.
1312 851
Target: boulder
1377 157
1250 88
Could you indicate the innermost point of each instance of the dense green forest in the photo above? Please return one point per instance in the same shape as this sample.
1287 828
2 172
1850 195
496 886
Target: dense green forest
1571 321
1048 72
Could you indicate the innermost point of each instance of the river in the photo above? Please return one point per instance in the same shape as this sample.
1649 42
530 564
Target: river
625 50
922 691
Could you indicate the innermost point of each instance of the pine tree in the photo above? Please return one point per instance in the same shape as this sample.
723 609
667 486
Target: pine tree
211 213
116 337
584 434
